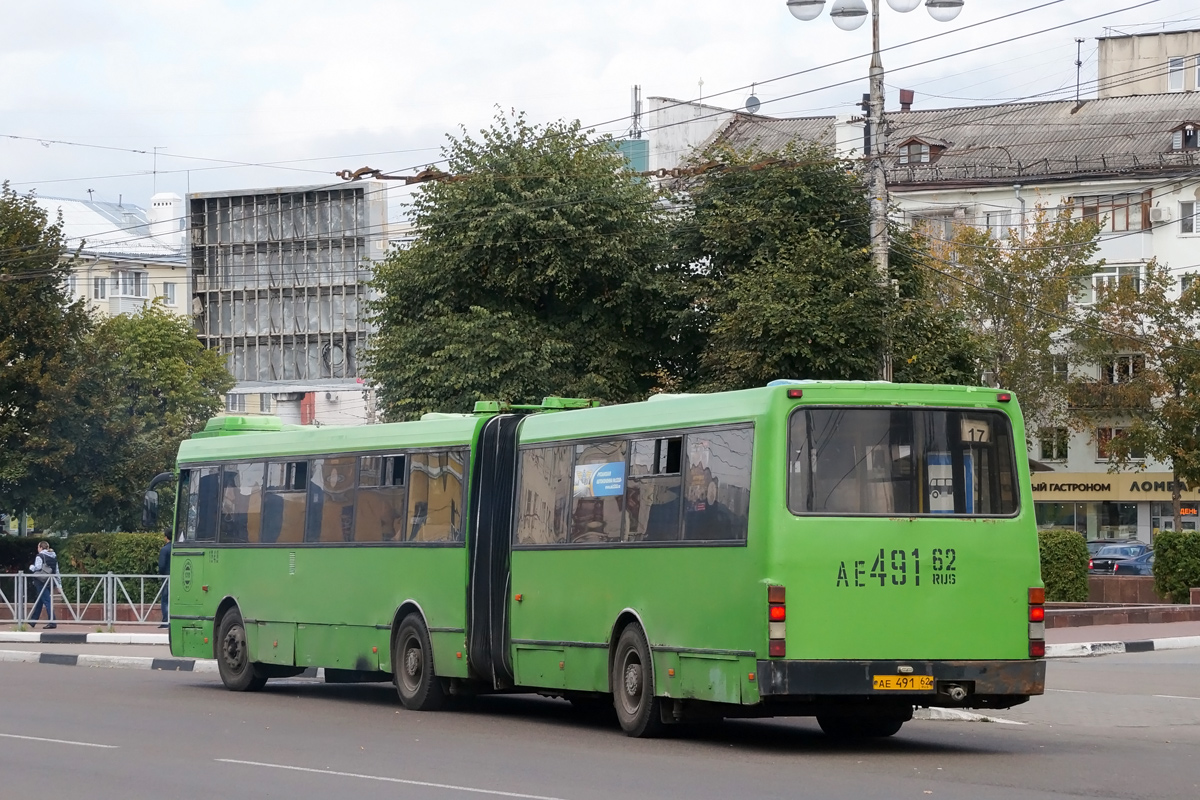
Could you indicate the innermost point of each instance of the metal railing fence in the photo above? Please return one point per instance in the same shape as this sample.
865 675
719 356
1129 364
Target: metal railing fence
103 600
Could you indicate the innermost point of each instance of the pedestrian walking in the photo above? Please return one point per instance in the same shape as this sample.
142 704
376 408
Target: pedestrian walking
45 566
164 568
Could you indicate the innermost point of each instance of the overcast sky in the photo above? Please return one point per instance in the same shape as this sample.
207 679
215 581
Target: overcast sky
323 85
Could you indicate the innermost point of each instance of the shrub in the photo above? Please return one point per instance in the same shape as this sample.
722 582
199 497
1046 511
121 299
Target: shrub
1064 566
119 553
1176 564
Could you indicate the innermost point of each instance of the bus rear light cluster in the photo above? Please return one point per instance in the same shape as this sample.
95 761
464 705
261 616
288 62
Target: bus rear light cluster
1037 622
776 622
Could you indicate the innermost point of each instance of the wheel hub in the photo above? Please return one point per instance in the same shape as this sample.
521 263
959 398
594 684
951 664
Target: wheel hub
633 680
412 661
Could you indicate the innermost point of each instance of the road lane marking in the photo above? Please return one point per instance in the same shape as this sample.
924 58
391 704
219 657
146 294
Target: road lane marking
60 741
1072 691
1176 697
337 774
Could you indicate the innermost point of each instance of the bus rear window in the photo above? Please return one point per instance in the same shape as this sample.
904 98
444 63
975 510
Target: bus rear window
901 462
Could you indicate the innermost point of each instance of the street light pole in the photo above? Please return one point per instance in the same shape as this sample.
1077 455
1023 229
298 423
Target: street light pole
849 15
880 242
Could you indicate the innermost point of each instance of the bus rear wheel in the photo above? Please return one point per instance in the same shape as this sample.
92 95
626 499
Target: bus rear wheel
238 672
860 727
412 665
638 710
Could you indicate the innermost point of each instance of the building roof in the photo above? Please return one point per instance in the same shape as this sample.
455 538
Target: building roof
118 230
1046 141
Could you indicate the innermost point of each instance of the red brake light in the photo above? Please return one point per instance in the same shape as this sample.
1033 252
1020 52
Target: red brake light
1004 397
777 648
1115 568
1089 563
778 613
1037 648
1037 614
795 394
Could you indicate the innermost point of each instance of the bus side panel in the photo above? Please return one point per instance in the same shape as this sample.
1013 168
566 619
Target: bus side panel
342 600
694 603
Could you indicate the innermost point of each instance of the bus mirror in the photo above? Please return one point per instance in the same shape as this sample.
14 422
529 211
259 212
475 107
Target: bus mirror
150 510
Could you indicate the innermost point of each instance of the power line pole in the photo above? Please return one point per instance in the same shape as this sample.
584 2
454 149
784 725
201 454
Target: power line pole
878 187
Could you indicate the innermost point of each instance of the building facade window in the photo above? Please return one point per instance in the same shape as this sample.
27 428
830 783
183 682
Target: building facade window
915 153
1060 366
130 283
235 403
99 288
1108 277
999 223
168 293
1116 213
72 286
1104 437
1054 443
1105 520
265 402
1162 516
1175 70
1186 137
1187 217
1122 369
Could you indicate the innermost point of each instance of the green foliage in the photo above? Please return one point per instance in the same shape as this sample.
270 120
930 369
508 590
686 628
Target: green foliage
786 286
535 273
152 384
43 371
1064 566
1014 296
1146 341
119 553
1176 564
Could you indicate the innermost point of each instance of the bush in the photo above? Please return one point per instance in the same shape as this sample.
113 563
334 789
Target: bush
119 553
1176 564
1064 566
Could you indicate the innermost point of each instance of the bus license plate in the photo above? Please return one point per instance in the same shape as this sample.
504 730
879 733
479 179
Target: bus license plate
902 683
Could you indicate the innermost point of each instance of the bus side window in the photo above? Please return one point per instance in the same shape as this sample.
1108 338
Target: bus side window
544 495
283 502
185 506
655 485
331 500
435 496
717 485
598 492
241 503
380 509
208 503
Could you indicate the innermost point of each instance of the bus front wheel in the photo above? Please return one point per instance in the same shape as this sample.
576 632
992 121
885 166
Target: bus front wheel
238 672
412 664
638 710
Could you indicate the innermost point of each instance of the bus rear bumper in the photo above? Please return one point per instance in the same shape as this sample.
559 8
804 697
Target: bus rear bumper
956 684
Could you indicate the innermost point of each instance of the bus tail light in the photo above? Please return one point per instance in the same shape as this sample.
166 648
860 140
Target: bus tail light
776 622
1004 397
1037 622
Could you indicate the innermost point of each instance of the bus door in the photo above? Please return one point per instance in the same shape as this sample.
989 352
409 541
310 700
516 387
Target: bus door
195 533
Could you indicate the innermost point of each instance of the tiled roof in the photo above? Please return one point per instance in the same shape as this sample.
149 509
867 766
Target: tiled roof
1001 143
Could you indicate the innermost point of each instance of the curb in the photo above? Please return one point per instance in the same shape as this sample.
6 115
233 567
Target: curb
32 637
197 665
1082 649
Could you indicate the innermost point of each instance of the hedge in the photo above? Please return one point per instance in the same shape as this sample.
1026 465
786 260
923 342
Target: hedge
1064 566
1176 564
95 553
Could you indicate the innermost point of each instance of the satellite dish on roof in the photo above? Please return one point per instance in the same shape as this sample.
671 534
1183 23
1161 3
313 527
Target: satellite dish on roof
753 104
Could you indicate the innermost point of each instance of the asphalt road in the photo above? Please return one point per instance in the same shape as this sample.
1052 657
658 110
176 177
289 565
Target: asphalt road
1113 726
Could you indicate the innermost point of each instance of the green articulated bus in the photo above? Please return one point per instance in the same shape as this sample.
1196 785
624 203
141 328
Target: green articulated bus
843 550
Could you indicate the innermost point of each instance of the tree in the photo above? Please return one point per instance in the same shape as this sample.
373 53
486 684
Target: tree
537 272
42 362
151 384
1144 395
784 286
1015 296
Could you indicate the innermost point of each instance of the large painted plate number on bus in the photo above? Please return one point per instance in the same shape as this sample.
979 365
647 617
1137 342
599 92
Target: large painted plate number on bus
902 683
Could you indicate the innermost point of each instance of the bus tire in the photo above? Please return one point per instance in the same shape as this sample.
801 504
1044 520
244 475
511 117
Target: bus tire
412 666
238 672
638 709
856 727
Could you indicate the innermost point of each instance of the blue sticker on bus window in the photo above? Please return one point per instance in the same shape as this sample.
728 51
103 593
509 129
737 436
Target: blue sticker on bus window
600 480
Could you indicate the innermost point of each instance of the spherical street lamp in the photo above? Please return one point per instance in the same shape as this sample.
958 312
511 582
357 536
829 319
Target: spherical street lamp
849 15
944 10
805 10
903 6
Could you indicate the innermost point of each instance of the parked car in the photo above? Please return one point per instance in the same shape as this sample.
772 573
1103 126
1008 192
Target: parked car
1097 545
1142 565
1102 562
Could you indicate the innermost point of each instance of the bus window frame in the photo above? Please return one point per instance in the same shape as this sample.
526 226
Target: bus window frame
787 475
632 436
466 450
